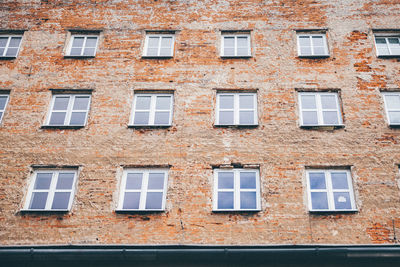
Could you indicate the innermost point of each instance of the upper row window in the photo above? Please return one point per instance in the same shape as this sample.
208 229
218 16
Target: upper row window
235 45
69 110
311 45
83 46
9 45
3 104
387 46
159 45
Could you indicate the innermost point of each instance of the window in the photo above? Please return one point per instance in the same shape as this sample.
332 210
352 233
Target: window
3 104
237 189
392 107
330 190
235 45
319 109
159 45
236 109
69 110
387 46
143 189
51 190
82 46
312 45
152 109
9 45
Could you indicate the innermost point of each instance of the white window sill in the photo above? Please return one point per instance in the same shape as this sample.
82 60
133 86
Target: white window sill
334 211
236 125
323 126
79 57
138 210
233 210
247 56
62 126
149 126
313 56
158 57
44 210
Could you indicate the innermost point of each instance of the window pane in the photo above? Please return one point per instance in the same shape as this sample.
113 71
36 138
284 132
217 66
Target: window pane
91 42
76 51
310 118
225 200
342 200
226 101
161 118
65 180
166 42
154 200
3 41
308 102
394 116
246 117
78 118
225 180
242 51
317 180
229 51
57 118
60 201
248 200
330 117
81 103
328 101
156 181
226 117
1 115
165 52
242 42
163 102
304 41
392 101
11 52
153 42
15 41
61 103
339 180
247 180
319 50
152 51
246 101
134 181
318 41
141 118
43 180
89 51
3 100
319 200
305 50
1 51
78 42
381 46
38 200
131 200
394 41
380 40
229 42
143 102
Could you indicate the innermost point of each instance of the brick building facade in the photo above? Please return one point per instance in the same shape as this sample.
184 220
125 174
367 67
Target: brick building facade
279 145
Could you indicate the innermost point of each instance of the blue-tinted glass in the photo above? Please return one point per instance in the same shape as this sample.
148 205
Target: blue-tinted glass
43 180
225 180
65 181
330 117
226 117
226 101
81 103
143 102
89 51
161 117
317 180
14 42
3 41
308 102
339 180
247 180
57 118
3 100
60 201
342 200
91 42
163 102
141 118
78 118
78 42
38 200
156 181
246 117
246 101
310 118
131 200
61 103
134 181
154 200
248 200
319 201
225 200
12 52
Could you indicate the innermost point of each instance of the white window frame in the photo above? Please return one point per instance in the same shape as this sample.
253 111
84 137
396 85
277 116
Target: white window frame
387 111
160 36
73 36
224 35
236 189
152 110
330 191
52 190
5 106
69 110
387 45
143 190
8 43
236 108
310 35
319 109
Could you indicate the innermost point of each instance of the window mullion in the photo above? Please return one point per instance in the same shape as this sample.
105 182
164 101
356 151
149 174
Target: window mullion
388 45
143 194
71 101
319 109
331 202
236 194
152 111
52 189
236 111
159 46
7 45
83 45
236 45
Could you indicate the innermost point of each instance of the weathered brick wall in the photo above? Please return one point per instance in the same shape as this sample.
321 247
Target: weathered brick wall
193 144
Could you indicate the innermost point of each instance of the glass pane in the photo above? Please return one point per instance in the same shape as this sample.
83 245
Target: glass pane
1 115
310 118
339 180
43 181
154 200
317 180
141 118
229 42
11 52
161 118
38 200
328 101
248 200
226 101
305 50
91 42
134 181
76 51
242 42
226 117
225 180
304 41
60 201
163 102
394 116
3 41
3 100
1 51
308 102
15 41
247 180
143 102
342 200
318 41
131 200
166 42
319 50
319 201
165 52
153 42
152 51
57 118
382 48
78 42
392 101
330 117
65 181
225 200
380 40
156 181
246 117
89 51
395 50
78 118
394 41
61 103
246 101
242 51
229 51
81 103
